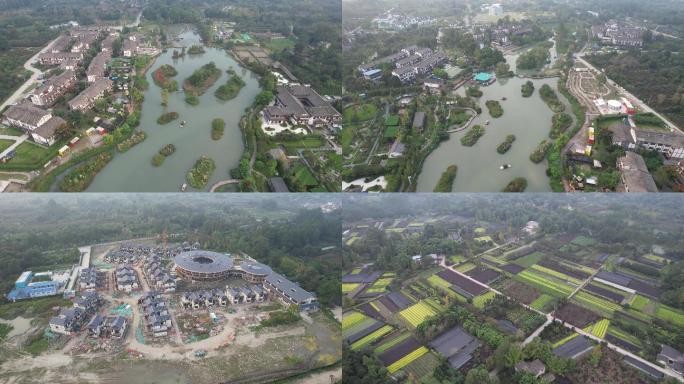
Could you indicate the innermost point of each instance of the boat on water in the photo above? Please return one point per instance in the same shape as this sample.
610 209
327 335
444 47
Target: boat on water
487 122
504 98
184 187
505 166
182 124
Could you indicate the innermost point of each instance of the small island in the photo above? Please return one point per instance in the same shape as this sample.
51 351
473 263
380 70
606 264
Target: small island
471 137
192 99
199 175
506 145
527 89
494 107
162 75
217 127
474 91
446 181
231 88
196 49
201 79
163 153
517 185
550 98
167 117
539 153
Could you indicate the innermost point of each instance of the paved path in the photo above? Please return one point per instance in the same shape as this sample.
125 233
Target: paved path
17 142
665 371
221 183
537 331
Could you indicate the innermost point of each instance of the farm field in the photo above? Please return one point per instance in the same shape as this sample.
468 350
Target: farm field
583 241
480 301
438 282
639 302
557 274
463 268
670 314
348 287
529 260
391 343
599 328
406 360
380 285
351 319
371 337
417 313
541 301
545 284
422 366
565 340
596 303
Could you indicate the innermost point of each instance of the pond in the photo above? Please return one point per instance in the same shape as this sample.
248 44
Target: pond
132 171
529 119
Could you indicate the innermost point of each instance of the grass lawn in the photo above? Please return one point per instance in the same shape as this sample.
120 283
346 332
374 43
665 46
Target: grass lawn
277 45
361 112
10 131
304 176
307 142
347 136
4 144
391 131
30 154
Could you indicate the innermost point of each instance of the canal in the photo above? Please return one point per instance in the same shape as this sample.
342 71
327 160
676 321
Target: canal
529 119
133 171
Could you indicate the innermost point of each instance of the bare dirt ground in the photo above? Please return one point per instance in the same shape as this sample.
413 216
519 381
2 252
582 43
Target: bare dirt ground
325 377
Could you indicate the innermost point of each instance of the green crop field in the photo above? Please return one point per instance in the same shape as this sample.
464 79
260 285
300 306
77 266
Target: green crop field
583 241
406 360
541 301
352 318
438 282
670 314
596 303
371 337
348 287
529 260
599 328
463 268
552 287
563 341
481 301
380 285
620 334
639 302
417 313
557 274
422 366
391 343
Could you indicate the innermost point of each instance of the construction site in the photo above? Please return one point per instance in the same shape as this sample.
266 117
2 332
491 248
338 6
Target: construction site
197 315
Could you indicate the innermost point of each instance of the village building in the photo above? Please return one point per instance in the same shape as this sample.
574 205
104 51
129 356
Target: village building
37 122
61 44
98 66
53 88
54 58
65 323
301 104
88 278
86 99
290 292
535 367
619 34
126 278
531 227
89 302
111 326
277 184
156 314
419 121
634 175
671 357
456 345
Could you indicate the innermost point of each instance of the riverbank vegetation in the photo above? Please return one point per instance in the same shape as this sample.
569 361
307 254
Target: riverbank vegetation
201 79
472 135
446 181
506 145
163 153
474 91
551 99
196 49
80 178
540 152
217 128
135 139
161 77
560 122
494 107
192 99
516 185
167 117
230 89
527 89
201 172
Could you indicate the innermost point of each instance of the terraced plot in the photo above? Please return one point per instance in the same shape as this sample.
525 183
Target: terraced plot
545 284
376 335
557 274
417 313
596 303
406 360
541 301
481 301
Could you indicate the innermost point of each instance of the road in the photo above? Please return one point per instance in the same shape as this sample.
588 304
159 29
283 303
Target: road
549 317
221 183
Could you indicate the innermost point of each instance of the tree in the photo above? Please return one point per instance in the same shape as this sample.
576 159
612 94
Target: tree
480 375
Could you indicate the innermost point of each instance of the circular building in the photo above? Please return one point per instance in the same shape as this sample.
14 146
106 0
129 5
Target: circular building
203 265
253 271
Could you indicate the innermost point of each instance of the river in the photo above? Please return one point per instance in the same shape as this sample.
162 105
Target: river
133 172
529 119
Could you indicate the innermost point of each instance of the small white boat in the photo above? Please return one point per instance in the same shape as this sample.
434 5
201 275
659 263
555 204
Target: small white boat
182 124
505 166
487 122
184 187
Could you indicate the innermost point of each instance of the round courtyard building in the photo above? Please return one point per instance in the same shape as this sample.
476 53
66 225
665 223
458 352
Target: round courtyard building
203 265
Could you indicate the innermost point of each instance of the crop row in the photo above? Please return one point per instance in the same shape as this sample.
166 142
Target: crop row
380 285
404 361
480 301
351 319
541 301
597 303
371 337
348 287
557 274
391 343
417 313
550 286
565 340
599 328
670 314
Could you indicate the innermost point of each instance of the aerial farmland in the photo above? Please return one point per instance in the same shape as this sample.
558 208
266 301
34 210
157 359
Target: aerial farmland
511 289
